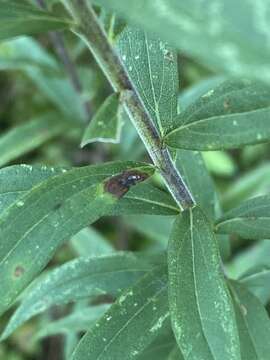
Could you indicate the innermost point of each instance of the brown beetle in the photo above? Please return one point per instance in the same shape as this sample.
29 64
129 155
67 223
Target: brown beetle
118 185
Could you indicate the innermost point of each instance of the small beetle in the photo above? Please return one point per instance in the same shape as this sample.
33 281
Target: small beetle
118 185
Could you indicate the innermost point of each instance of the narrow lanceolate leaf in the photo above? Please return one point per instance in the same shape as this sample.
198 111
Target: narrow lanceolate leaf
237 37
18 17
234 114
253 324
175 354
196 176
81 278
255 256
25 54
252 183
24 138
106 125
201 308
152 66
250 220
257 280
133 321
201 185
162 345
90 242
34 226
192 93
16 180
77 321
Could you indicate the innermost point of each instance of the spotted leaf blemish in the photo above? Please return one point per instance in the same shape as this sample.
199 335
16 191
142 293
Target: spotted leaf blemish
19 271
119 185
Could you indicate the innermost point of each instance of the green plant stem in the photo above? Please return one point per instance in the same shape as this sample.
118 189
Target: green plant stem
91 31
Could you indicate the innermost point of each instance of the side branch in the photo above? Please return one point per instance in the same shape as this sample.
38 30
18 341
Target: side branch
90 30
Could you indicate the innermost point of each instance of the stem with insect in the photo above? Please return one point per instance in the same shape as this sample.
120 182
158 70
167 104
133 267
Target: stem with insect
91 31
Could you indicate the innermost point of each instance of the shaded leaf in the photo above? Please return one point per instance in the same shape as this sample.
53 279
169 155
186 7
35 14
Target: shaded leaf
160 348
256 255
253 324
253 183
106 125
237 37
257 281
81 278
18 17
134 320
26 137
89 242
155 227
189 95
152 67
201 309
198 180
234 114
249 220
175 354
26 55
192 167
77 321
219 163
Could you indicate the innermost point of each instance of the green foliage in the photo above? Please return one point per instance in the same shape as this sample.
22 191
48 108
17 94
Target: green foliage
18 17
196 282
106 124
93 243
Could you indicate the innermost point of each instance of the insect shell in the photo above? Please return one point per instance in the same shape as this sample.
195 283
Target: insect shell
120 184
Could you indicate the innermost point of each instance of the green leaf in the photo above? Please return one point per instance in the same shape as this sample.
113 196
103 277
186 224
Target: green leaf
249 220
54 211
188 96
133 321
253 324
89 242
175 354
198 180
24 138
18 17
256 255
257 280
79 279
106 125
23 52
234 114
201 309
192 167
16 180
253 183
152 67
156 227
26 55
219 163
160 348
237 36
145 199
77 321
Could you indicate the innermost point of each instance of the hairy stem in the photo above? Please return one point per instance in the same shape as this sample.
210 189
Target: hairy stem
91 31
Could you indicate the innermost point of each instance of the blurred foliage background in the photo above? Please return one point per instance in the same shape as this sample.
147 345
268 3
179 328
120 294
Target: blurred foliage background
34 82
